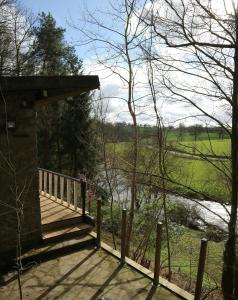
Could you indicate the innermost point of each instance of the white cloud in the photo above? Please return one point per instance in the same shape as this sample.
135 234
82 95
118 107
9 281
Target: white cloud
115 91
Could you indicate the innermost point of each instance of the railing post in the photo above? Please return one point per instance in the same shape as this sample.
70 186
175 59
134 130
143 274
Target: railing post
40 181
75 195
50 185
99 223
68 191
56 186
62 189
45 183
83 196
123 237
157 253
201 268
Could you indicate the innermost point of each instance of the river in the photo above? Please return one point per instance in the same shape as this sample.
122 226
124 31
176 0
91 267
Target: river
211 212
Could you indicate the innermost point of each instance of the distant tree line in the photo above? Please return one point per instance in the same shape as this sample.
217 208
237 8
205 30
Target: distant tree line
123 132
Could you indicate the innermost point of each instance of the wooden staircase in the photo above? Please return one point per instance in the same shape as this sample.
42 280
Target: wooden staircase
65 223
61 238
66 229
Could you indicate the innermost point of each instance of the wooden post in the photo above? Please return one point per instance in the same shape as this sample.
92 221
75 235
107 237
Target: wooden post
157 253
68 191
62 189
201 268
123 237
56 186
83 196
75 195
99 223
50 185
40 181
45 183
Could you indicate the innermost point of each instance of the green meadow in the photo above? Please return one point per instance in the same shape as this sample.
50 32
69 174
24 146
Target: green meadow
210 147
197 174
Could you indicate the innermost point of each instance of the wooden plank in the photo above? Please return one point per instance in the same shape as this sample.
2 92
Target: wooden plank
76 194
53 84
99 223
201 268
157 253
83 196
40 181
45 200
50 184
45 182
55 186
62 189
68 188
123 236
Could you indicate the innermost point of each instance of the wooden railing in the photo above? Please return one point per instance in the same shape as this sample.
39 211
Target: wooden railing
68 190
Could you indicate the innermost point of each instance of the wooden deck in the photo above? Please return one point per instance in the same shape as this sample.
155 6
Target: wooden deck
83 275
52 211
66 229
60 221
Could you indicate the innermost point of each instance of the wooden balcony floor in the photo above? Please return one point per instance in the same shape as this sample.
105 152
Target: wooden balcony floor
84 275
60 221
52 211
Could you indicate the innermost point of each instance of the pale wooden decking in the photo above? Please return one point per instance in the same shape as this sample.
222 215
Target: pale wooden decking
60 220
52 211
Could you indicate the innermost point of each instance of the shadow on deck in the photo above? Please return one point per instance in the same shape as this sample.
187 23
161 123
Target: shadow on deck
86 274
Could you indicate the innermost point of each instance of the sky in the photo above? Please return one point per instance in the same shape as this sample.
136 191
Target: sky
111 86
63 11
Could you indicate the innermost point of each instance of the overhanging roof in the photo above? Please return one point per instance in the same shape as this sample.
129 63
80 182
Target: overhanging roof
47 89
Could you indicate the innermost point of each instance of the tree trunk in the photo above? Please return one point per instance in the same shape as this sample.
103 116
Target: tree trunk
131 108
228 276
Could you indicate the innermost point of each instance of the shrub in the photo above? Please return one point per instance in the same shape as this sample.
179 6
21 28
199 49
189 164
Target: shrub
215 234
184 214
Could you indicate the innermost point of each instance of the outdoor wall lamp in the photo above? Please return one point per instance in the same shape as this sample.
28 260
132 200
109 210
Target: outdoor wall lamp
11 125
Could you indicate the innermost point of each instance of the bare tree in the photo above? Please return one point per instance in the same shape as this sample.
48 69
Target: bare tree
122 61
199 66
161 141
193 59
22 23
16 34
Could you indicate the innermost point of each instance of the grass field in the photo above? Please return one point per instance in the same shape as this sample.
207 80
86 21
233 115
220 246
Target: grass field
198 174
172 135
185 254
202 176
210 147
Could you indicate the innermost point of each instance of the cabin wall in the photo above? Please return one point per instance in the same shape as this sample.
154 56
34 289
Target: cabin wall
18 173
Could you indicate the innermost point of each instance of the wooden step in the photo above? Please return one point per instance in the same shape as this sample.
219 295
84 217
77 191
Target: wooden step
53 250
62 224
66 233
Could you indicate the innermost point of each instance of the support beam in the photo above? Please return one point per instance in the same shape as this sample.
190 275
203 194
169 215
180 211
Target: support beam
157 253
201 268
123 236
